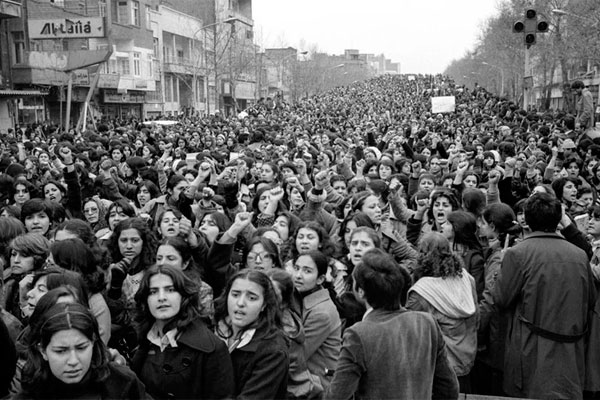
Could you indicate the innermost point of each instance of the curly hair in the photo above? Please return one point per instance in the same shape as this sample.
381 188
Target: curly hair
436 258
75 255
147 256
269 318
326 246
269 247
190 300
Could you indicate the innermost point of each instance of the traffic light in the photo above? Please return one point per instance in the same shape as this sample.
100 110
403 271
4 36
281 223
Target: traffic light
530 27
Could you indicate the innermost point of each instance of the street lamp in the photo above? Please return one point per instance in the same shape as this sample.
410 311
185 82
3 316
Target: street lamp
501 75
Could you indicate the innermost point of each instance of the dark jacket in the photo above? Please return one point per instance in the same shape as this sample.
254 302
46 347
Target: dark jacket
546 285
122 383
199 368
378 363
261 367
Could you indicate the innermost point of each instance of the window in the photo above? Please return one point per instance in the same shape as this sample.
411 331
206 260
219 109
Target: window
135 13
180 56
122 14
148 19
19 47
136 64
123 65
155 45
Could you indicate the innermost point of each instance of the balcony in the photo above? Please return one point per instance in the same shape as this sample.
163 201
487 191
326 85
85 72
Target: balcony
181 65
10 9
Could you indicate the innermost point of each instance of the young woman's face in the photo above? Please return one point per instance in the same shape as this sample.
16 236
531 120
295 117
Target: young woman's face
164 301
385 171
143 196
587 199
168 255
266 173
91 212
180 187
21 194
573 170
282 226
20 264
296 197
115 216
69 355
305 274
52 193
169 224
426 184
434 165
117 155
263 201
245 302
350 227
38 222
307 240
209 227
35 294
259 258
441 208
470 182
371 208
569 192
130 243
360 243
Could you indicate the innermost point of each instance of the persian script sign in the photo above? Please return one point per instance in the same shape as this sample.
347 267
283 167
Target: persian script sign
66 28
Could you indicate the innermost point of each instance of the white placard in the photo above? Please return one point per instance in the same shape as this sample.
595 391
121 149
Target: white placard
443 104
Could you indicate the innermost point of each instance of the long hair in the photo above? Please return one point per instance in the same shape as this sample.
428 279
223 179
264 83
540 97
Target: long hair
443 192
152 189
148 255
182 247
75 255
436 258
59 277
269 318
60 317
465 229
504 220
187 289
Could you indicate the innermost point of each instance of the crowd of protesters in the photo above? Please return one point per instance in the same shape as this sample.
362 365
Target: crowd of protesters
353 244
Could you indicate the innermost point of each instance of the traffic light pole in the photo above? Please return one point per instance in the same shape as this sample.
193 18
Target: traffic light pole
527 74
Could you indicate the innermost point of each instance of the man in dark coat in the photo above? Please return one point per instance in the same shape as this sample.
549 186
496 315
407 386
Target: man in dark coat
376 362
546 285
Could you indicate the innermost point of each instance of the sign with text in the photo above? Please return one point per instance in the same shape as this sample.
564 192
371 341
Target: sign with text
112 96
66 28
443 104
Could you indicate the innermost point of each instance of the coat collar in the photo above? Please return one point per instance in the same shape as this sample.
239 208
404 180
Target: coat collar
535 235
315 298
379 314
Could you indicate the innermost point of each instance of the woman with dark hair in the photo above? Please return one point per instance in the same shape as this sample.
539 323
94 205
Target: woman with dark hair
176 252
66 359
269 173
461 232
178 355
249 320
75 255
440 275
473 201
566 191
261 254
179 195
440 203
320 318
118 211
28 254
38 216
301 384
144 192
10 228
133 250
498 223
23 190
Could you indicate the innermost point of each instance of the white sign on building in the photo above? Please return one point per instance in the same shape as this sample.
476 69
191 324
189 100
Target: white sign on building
66 28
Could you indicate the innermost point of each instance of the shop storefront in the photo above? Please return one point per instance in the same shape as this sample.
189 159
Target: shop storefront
122 105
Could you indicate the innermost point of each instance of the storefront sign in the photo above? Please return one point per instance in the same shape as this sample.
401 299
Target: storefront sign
81 77
112 96
66 28
109 81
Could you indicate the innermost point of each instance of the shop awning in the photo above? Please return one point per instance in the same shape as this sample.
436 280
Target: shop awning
22 93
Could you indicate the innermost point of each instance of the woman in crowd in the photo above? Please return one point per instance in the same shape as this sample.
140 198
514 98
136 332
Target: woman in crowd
179 356
440 204
445 289
68 360
461 231
320 318
249 320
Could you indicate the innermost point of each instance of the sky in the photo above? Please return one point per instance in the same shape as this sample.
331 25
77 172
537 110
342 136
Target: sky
423 35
